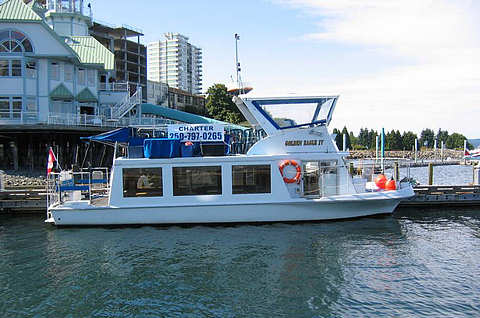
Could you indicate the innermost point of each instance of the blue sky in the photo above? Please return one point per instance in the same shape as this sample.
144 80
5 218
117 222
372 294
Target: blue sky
403 65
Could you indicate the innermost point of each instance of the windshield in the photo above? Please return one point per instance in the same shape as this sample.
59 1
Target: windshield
295 113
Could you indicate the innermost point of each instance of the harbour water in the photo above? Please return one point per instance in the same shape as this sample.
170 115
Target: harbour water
416 263
413 264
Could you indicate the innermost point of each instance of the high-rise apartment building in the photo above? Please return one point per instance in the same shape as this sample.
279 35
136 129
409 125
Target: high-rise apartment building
176 62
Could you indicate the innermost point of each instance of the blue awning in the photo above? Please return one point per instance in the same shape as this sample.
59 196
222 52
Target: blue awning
122 135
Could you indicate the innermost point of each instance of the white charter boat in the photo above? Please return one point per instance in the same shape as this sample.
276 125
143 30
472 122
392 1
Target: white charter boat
295 173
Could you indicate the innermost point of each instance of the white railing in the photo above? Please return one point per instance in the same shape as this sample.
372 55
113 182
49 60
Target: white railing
122 108
115 87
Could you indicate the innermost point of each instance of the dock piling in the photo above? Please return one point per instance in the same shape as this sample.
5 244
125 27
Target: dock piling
430 173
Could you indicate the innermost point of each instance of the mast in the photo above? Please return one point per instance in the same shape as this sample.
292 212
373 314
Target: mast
237 64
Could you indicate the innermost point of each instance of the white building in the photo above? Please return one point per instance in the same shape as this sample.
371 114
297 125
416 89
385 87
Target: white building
176 62
50 67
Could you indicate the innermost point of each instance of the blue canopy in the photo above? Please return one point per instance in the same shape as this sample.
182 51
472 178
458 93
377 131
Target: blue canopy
117 135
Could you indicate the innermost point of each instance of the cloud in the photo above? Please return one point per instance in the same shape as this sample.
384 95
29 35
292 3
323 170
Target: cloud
438 88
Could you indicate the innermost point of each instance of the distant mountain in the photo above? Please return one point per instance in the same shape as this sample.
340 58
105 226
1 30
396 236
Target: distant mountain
475 142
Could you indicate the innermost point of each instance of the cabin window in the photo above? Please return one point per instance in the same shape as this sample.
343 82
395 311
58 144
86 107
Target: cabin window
251 179
142 182
197 180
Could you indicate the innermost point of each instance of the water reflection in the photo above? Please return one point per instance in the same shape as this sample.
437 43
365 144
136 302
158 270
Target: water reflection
358 268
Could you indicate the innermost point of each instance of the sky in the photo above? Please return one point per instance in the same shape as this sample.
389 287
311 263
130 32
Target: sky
405 65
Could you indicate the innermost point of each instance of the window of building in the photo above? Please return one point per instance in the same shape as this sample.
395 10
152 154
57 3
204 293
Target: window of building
4 68
31 69
142 182
16 107
55 71
251 179
11 68
91 78
14 42
16 67
81 76
10 107
31 104
68 72
60 107
4 107
205 180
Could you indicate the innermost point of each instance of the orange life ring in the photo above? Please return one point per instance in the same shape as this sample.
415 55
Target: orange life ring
285 163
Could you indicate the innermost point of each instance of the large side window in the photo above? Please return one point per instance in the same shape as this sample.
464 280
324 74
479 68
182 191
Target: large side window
251 179
197 180
142 182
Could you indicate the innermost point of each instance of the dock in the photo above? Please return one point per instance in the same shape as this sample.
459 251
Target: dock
444 196
23 201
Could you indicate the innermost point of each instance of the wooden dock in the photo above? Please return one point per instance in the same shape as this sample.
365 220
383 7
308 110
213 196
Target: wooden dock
444 195
23 201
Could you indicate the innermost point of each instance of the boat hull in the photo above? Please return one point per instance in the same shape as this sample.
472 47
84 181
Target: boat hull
308 210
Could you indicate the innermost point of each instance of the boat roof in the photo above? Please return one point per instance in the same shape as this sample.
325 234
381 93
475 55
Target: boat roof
274 114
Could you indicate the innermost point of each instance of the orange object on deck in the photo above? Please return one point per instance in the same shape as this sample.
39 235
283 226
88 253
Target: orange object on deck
391 185
380 181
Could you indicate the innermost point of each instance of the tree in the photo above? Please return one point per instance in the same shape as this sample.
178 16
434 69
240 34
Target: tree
442 135
338 138
220 105
408 140
426 138
347 141
455 141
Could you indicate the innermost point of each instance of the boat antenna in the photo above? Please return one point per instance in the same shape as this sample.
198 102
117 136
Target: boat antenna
237 64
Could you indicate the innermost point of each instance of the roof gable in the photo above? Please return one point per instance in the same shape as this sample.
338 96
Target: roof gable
86 96
17 10
90 51
61 92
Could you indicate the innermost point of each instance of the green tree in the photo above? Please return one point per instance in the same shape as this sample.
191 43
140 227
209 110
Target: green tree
408 140
220 105
442 135
338 138
347 141
455 141
426 138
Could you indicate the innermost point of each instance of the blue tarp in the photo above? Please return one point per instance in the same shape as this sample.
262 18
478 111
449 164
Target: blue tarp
117 135
161 148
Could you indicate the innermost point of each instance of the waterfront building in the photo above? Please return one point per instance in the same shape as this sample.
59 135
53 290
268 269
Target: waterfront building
130 55
49 65
176 62
157 93
185 101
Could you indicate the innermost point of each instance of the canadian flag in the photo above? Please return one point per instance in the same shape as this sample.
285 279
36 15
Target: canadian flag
51 160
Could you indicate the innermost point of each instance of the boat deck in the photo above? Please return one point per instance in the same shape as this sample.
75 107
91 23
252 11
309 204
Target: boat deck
100 201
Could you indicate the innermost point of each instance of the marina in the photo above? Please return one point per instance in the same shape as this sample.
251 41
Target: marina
141 177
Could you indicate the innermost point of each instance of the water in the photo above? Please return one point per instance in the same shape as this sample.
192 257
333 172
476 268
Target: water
416 263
